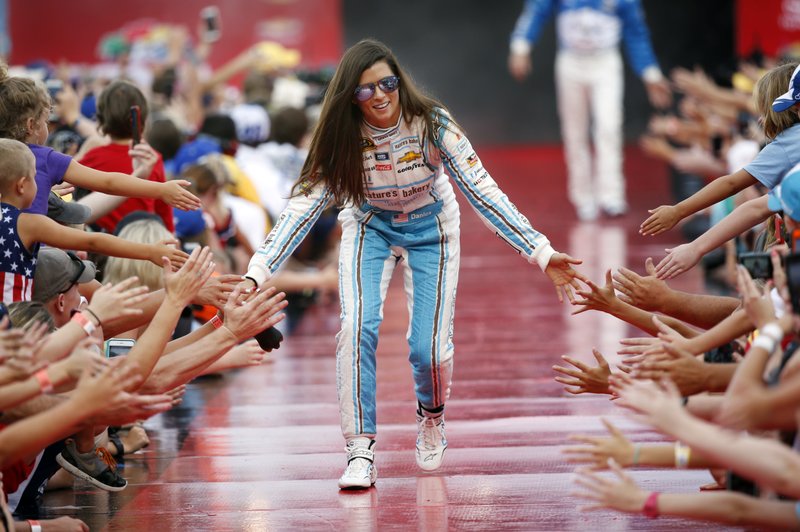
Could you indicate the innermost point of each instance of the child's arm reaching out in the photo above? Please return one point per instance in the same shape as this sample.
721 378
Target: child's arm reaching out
665 217
120 184
685 256
35 228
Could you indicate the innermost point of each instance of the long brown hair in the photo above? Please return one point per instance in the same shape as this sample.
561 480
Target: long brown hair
768 87
20 99
335 152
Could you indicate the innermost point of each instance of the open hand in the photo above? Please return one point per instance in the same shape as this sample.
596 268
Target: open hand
603 299
182 286
662 218
176 195
644 292
677 261
598 450
584 379
563 276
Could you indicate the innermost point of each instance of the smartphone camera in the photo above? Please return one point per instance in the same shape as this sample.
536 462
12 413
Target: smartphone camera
136 125
758 264
211 30
116 347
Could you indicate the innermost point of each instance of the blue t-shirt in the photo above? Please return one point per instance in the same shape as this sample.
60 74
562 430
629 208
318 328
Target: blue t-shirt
776 158
51 166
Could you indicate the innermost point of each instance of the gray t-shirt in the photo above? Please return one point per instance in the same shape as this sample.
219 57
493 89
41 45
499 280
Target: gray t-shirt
776 158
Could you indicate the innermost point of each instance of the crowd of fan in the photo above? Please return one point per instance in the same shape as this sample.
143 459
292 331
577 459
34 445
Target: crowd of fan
715 372
172 218
131 205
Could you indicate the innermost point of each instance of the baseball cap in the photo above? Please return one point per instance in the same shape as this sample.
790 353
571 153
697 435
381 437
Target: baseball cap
786 196
252 123
66 212
189 153
189 224
57 270
791 96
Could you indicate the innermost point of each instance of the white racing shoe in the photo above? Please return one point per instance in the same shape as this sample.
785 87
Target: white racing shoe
431 442
361 472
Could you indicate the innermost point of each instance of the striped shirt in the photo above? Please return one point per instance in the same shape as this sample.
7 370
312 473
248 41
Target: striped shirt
17 264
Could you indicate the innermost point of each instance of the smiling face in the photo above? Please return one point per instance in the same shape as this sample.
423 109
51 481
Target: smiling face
383 109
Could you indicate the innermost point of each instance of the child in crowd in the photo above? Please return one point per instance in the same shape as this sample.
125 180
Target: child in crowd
781 123
772 163
24 112
21 233
114 120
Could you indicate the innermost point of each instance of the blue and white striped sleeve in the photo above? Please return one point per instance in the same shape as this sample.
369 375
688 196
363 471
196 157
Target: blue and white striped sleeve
489 202
292 226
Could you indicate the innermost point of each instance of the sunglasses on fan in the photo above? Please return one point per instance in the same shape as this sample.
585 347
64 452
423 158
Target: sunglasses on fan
366 91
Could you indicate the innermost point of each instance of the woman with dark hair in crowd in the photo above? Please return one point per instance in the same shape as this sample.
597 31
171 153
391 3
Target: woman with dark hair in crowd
384 151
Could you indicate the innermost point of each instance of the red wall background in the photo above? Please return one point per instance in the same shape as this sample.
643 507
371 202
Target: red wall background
56 30
772 25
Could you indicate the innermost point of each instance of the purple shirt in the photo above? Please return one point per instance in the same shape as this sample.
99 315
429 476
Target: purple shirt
51 166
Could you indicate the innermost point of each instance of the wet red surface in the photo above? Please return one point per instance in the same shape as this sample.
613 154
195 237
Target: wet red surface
261 449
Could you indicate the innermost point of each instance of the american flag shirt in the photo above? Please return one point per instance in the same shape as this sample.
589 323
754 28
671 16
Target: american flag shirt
17 264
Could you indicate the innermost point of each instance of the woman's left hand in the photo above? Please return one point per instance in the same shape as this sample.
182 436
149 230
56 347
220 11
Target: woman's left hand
563 276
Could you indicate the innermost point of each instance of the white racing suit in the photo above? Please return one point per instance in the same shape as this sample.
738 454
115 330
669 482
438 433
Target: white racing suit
589 86
410 214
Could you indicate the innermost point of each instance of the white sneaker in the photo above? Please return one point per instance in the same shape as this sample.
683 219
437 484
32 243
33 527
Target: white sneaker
431 442
587 213
361 473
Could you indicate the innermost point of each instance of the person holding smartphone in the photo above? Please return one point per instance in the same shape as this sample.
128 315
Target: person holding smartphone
122 111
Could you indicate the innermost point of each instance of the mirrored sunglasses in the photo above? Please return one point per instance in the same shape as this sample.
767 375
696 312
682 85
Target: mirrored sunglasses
366 91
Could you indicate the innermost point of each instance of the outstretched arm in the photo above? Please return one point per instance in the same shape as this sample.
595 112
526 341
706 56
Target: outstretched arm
685 256
35 228
665 217
622 493
119 184
648 292
767 462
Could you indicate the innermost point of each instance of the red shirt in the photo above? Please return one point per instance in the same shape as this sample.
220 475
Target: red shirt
115 158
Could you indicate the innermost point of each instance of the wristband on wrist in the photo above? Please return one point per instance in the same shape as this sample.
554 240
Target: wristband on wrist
772 330
766 343
637 450
255 283
650 508
92 314
84 322
216 321
682 455
45 384
35 525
